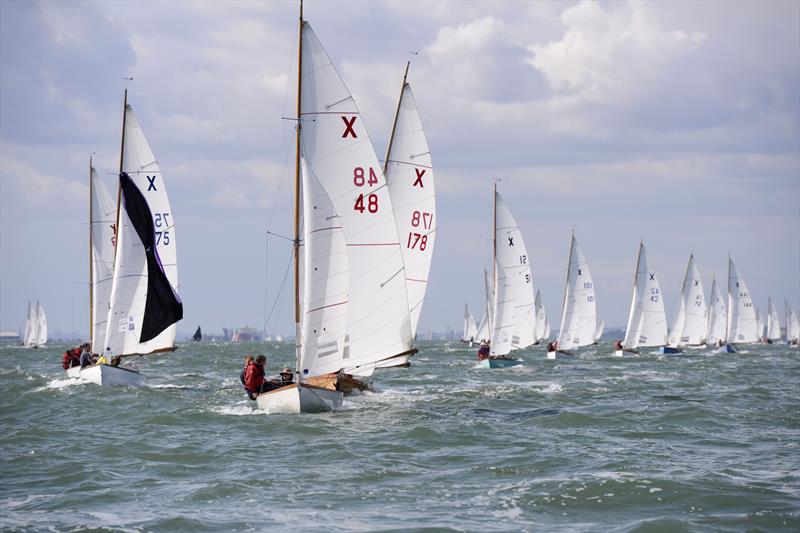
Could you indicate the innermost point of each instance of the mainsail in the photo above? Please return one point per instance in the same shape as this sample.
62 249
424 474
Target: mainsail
470 328
366 302
773 322
29 336
409 174
691 316
647 323
513 306
792 324
541 318
579 317
598 334
717 316
41 326
742 323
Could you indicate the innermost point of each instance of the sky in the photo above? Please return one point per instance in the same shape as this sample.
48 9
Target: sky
673 122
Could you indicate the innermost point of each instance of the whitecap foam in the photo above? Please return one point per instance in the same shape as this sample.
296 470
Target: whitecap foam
240 409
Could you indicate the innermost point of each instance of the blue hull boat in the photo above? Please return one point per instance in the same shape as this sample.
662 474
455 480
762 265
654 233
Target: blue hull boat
669 349
500 362
727 348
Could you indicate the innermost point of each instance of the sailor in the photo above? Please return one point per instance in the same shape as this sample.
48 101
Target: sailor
248 360
71 358
483 351
551 346
618 345
286 377
86 356
254 377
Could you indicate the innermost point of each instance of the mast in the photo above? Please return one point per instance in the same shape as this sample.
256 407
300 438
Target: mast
494 256
297 340
566 287
730 301
91 265
394 124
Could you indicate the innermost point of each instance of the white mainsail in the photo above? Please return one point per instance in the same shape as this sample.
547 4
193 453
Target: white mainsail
409 174
541 318
773 322
513 306
717 316
579 317
30 327
470 328
792 324
742 323
647 323
338 154
691 316
598 334
130 281
759 325
103 221
41 326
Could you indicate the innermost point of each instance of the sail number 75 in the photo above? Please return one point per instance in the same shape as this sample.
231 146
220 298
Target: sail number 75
161 220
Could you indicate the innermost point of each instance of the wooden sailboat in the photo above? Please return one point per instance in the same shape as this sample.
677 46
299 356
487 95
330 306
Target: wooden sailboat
691 315
198 335
742 323
513 304
792 325
579 318
354 309
133 263
647 322
598 334
773 323
717 317
470 327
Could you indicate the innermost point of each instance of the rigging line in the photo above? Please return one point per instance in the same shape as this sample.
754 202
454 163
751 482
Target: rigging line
280 289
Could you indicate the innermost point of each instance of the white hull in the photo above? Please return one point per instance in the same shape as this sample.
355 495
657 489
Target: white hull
625 353
107 376
300 399
559 355
365 371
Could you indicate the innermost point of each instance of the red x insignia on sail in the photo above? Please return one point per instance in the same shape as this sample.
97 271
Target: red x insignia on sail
348 125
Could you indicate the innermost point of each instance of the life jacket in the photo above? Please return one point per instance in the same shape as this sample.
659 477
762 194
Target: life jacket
65 362
71 358
254 377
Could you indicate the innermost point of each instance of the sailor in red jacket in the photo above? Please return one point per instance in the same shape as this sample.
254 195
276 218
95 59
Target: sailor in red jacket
71 358
254 377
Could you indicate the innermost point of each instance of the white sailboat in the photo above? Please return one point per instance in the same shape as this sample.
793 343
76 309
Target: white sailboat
760 327
354 310
773 323
579 316
598 334
35 327
742 323
691 315
647 322
470 327
133 274
513 317
717 317
792 325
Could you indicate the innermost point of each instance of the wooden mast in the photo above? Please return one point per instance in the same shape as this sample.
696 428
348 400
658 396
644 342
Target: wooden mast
297 334
394 124
91 264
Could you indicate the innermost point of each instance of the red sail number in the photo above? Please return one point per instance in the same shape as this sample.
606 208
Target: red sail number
372 203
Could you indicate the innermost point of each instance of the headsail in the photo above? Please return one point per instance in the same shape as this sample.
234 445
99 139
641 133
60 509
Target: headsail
598 334
29 337
541 318
579 317
470 328
647 323
792 324
409 174
717 316
41 326
103 224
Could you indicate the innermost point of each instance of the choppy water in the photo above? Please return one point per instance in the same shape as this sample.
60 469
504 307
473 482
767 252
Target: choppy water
708 442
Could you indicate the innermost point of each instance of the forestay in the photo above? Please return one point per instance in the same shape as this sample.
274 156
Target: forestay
647 323
103 223
691 316
742 324
409 174
717 316
337 151
579 317
513 307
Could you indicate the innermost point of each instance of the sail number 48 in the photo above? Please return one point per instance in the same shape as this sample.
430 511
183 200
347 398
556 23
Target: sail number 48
361 178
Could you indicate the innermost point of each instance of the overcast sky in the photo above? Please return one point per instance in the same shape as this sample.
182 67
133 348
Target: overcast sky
676 122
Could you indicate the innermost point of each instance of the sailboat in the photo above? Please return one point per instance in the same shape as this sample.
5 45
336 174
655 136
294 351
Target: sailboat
198 335
691 315
409 175
760 328
133 274
598 334
647 322
512 317
579 317
35 327
354 310
717 317
792 325
742 322
470 327
773 323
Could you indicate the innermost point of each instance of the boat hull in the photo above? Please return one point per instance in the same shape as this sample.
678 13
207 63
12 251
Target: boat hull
727 348
559 355
669 350
107 376
300 399
625 353
500 362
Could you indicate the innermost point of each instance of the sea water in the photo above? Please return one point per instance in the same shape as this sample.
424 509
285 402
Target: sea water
701 442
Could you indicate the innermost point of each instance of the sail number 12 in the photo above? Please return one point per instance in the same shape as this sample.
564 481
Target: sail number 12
361 178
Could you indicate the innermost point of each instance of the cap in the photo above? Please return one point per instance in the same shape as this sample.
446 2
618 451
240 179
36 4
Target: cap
286 370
